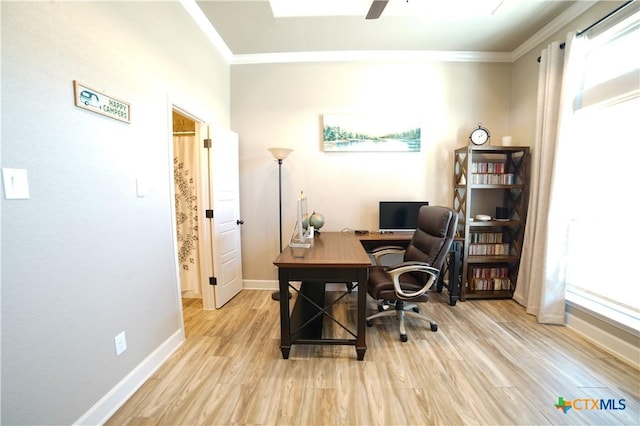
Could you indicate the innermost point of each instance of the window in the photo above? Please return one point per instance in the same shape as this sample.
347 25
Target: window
597 167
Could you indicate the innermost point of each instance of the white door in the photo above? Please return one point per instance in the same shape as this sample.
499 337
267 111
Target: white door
225 227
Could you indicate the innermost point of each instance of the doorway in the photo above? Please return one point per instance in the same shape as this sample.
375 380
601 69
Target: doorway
188 203
206 179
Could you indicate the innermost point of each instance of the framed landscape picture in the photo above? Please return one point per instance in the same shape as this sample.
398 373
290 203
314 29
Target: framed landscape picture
370 133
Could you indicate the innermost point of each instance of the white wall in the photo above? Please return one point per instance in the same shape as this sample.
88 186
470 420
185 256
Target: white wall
84 259
282 105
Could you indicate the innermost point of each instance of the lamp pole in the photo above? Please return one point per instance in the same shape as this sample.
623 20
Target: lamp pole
279 154
280 199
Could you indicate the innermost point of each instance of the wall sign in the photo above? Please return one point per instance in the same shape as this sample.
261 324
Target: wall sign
97 101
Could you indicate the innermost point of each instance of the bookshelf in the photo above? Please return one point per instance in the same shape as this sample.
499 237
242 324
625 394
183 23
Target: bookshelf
487 178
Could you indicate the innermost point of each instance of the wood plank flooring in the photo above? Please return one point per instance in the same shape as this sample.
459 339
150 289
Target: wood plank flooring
488 364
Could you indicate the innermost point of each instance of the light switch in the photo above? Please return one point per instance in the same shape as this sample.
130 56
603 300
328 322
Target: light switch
16 184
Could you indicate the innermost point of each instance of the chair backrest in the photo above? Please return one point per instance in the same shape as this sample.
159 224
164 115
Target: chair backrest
433 237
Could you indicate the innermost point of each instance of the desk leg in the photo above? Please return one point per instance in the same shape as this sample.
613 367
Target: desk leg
361 342
285 335
454 273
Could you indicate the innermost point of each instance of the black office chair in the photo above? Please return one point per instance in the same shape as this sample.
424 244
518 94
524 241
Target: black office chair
397 287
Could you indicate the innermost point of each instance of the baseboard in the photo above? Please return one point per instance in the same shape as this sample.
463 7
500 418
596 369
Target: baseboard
615 340
272 285
260 284
116 397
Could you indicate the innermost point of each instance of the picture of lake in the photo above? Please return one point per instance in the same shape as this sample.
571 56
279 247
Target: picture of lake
370 132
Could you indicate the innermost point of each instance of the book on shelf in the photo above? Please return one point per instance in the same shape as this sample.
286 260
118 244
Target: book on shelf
490 173
492 179
489 249
490 278
490 284
488 167
485 237
490 272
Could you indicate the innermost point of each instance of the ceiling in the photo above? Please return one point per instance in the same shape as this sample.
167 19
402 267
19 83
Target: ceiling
250 28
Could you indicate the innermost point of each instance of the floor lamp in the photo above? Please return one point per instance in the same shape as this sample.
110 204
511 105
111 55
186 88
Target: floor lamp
279 154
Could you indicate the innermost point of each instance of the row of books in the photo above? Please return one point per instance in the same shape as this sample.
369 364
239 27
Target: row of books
487 278
486 284
489 272
492 179
485 237
480 167
488 249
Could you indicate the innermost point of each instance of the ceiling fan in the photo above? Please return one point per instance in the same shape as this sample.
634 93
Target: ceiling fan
376 9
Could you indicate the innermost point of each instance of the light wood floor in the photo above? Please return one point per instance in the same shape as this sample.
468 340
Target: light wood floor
488 364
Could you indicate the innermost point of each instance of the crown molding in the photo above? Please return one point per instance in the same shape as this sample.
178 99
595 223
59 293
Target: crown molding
551 28
417 56
201 20
371 56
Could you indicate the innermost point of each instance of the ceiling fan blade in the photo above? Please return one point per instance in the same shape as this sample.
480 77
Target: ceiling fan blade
376 9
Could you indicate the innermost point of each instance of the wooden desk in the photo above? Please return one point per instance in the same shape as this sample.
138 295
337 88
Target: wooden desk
374 240
334 257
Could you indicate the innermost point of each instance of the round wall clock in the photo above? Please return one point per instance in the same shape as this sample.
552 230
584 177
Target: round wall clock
479 136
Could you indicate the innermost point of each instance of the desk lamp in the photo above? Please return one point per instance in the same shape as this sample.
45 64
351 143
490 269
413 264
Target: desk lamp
279 154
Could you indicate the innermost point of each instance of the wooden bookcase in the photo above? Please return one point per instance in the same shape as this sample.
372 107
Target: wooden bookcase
486 177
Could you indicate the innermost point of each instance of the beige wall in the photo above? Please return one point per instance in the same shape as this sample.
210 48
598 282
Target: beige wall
282 105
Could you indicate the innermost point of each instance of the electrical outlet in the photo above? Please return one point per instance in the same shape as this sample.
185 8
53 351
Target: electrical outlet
121 343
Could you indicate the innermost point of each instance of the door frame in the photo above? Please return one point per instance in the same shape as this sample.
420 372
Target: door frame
207 291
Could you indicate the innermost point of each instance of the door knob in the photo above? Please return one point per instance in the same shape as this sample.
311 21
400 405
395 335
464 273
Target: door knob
239 222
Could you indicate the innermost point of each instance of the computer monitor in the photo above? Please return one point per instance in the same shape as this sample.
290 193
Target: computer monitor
300 236
398 216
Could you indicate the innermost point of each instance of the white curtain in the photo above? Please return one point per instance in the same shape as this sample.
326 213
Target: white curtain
541 278
186 178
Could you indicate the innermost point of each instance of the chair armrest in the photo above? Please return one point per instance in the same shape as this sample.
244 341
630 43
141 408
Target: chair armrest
404 267
379 252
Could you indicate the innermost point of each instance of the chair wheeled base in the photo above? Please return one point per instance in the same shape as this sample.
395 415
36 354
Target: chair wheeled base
400 309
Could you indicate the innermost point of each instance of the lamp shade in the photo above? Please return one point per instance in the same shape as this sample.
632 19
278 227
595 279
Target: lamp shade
280 153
